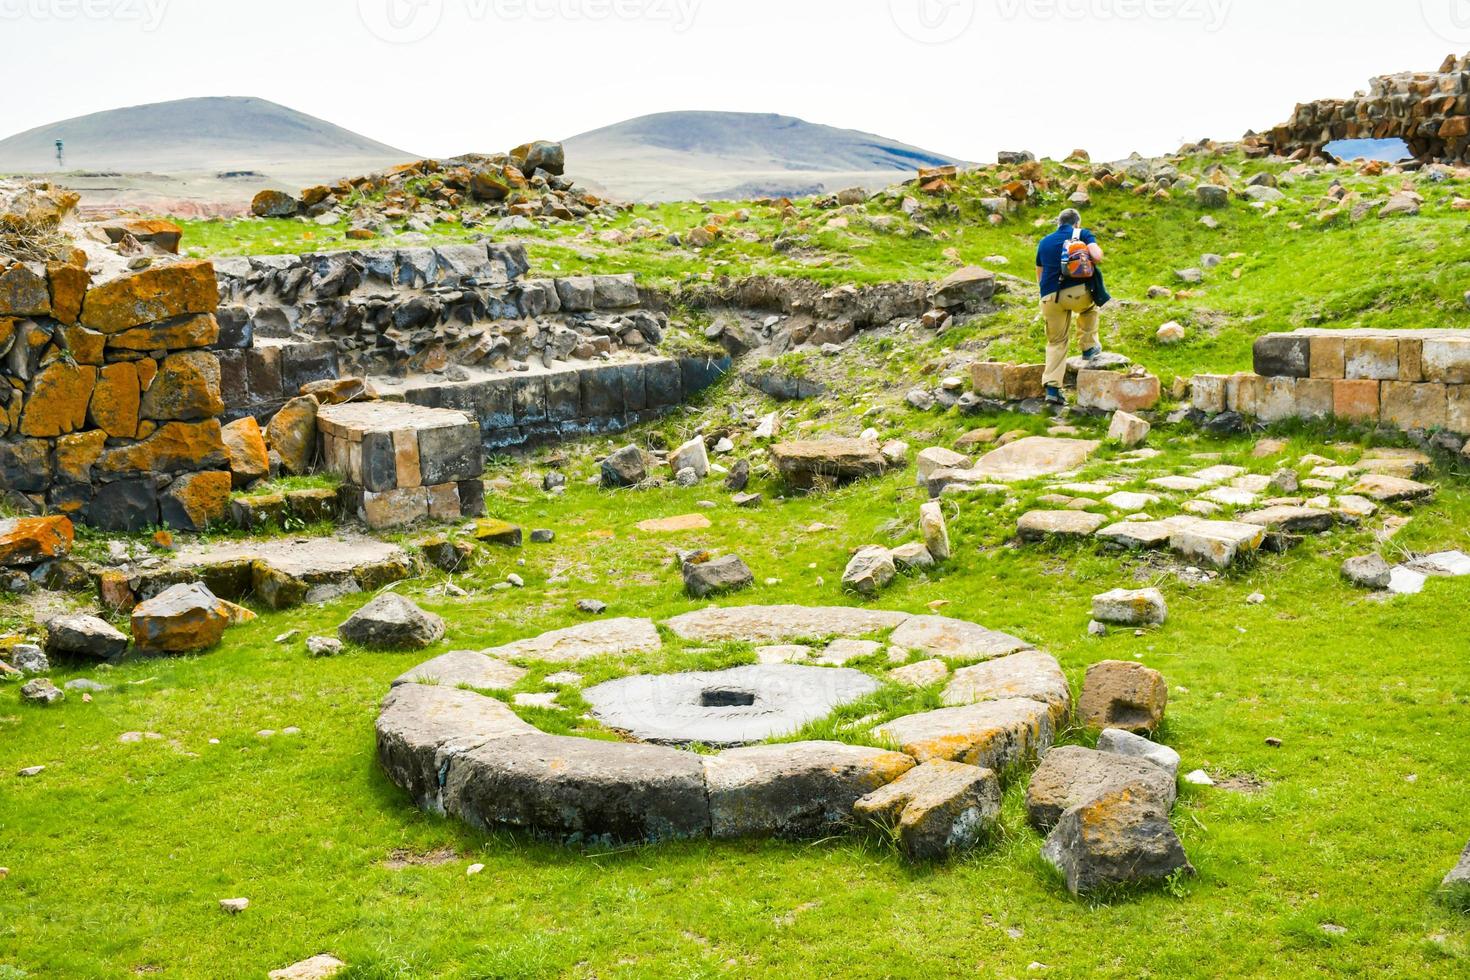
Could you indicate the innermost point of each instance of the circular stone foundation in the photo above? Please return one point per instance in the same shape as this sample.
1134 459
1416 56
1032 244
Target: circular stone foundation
725 707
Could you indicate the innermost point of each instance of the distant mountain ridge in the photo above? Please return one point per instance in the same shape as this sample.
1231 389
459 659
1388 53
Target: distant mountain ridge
669 155
200 134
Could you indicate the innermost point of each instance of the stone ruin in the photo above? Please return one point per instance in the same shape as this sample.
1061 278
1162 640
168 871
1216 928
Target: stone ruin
1429 111
140 382
111 410
513 190
931 779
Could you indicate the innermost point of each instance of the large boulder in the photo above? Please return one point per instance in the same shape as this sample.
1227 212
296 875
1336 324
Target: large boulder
625 468
27 540
870 571
580 789
937 809
992 734
540 155
246 449
292 434
182 619
795 790
964 289
725 574
1122 694
84 636
1071 774
812 463
1120 837
391 622
273 204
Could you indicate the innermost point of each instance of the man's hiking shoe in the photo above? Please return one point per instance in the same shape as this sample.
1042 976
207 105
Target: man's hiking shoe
1054 396
1092 355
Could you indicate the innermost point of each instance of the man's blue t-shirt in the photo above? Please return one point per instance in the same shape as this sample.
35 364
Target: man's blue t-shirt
1049 258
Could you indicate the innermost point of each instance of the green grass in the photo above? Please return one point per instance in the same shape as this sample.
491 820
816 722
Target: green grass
119 852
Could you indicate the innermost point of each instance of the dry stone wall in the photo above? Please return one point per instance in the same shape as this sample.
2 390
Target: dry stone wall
1409 379
1430 111
415 310
112 401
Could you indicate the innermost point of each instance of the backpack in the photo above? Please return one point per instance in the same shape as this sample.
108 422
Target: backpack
1076 258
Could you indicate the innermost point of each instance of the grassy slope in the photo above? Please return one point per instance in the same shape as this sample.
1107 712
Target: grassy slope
118 852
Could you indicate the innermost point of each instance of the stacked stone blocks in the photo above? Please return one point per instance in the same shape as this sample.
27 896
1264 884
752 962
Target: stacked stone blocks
110 414
1410 379
404 463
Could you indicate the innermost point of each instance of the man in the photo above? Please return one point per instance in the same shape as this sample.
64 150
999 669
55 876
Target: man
1062 297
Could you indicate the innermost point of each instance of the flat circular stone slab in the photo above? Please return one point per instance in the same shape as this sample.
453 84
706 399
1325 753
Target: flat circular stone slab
725 707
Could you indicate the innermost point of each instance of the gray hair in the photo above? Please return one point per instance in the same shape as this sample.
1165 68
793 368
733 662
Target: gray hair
1071 216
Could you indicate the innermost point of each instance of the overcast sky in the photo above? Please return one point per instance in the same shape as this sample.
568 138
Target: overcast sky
962 77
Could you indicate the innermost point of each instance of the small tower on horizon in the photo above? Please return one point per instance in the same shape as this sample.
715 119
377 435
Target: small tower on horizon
60 155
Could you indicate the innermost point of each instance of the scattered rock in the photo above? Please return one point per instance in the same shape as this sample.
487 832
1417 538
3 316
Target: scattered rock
936 809
592 607
810 464
1070 775
1126 743
391 622
1116 838
625 468
234 906
184 618
1122 694
911 557
41 691
319 967
1368 572
1199 778
1124 607
29 659
717 576
323 646
1128 430
869 571
934 530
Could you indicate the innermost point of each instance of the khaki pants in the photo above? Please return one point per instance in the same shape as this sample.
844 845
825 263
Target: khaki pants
1058 309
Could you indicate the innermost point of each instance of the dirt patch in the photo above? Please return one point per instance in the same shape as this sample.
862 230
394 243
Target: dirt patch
404 858
1248 785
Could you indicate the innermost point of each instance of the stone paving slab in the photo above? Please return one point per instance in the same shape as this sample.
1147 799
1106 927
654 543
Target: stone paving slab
1029 458
780 624
953 639
993 734
604 638
1030 674
464 668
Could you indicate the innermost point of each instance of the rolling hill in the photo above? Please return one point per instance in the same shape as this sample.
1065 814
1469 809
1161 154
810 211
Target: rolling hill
673 155
216 133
